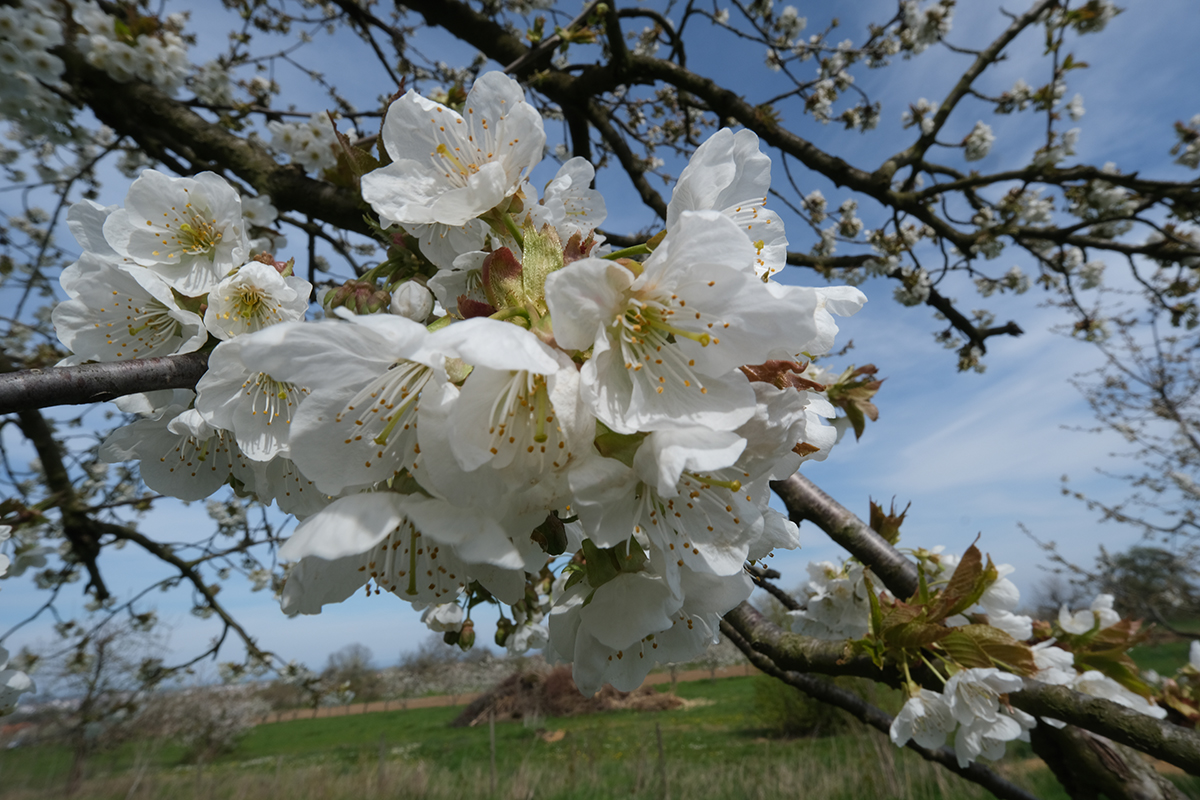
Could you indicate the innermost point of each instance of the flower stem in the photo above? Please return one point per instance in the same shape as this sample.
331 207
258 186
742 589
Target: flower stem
511 225
635 250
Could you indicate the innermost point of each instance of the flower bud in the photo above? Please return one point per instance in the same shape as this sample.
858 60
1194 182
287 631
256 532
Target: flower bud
502 279
412 300
504 629
284 268
361 297
466 637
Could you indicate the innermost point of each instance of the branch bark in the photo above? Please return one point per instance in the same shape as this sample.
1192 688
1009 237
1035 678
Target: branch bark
96 383
838 697
157 122
805 501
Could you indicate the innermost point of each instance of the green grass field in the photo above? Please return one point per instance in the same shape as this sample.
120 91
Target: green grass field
715 748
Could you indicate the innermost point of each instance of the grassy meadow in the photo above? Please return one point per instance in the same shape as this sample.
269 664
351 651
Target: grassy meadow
724 743
715 747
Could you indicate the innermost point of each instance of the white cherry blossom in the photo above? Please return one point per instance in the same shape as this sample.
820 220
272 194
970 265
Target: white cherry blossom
667 341
729 174
569 204
358 425
255 407
253 297
13 684
181 455
188 230
448 168
925 718
360 540
974 694
120 313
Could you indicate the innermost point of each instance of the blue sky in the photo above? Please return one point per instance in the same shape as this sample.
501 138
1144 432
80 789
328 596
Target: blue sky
975 454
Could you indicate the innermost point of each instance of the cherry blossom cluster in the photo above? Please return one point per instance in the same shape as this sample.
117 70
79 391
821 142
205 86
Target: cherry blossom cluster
137 47
311 144
558 402
841 603
173 271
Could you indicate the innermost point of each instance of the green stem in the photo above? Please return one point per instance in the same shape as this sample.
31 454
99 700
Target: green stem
511 225
635 250
509 313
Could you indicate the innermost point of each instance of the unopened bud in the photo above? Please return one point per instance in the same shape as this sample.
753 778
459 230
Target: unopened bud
502 278
361 297
466 637
284 268
504 629
412 300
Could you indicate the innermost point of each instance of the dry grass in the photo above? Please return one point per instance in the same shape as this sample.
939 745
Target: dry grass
852 767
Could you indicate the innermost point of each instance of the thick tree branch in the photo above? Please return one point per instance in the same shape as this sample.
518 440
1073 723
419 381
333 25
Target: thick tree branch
76 524
851 703
96 383
804 501
1164 740
154 120
1171 743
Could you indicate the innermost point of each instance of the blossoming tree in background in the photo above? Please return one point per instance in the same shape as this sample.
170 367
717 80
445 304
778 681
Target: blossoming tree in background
493 398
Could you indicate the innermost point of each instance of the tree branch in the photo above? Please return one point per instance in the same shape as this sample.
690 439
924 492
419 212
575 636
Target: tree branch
96 383
851 703
154 120
805 501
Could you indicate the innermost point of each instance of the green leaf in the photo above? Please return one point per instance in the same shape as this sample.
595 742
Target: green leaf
1117 665
541 255
996 647
620 446
961 586
602 565
916 634
887 525
964 650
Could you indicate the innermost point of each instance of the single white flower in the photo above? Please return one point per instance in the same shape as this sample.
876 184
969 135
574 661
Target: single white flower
569 204
1100 685
974 694
978 142
188 230
255 407
449 168
358 425
443 617
667 341
182 456
412 300
1056 666
729 174
259 211
120 313
362 539
1100 616
988 737
925 718
252 298
1194 654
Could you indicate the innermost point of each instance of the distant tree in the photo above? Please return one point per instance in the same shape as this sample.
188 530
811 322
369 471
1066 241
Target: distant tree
351 668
